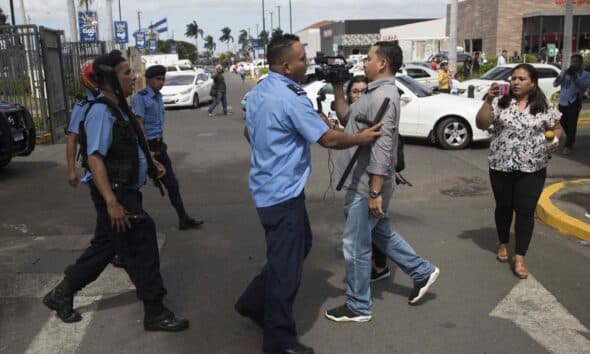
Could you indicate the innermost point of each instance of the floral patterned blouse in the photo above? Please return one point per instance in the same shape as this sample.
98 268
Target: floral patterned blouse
518 138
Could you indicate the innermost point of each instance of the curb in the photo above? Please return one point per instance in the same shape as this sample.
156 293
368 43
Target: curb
554 217
583 122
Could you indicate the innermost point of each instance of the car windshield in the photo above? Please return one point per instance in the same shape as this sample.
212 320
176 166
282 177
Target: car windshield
417 88
497 73
179 80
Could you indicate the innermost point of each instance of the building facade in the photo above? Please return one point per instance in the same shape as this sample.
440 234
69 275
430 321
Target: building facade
311 38
356 36
523 26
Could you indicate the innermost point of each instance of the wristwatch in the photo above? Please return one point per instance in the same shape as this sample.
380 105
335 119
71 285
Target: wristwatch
374 194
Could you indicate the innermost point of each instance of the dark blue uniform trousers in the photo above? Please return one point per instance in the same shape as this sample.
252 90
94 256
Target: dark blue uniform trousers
271 294
138 247
170 181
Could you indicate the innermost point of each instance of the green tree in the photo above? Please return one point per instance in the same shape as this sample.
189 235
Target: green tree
185 50
226 36
277 32
193 31
85 3
243 39
210 45
263 37
2 17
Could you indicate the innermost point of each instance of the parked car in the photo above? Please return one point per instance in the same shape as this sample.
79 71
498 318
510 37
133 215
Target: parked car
447 120
17 132
547 74
178 67
445 57
425 76
185 88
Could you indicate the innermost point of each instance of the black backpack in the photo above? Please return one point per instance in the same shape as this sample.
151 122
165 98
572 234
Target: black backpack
400 164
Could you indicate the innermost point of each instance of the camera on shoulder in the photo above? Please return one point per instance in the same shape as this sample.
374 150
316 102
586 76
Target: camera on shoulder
333 69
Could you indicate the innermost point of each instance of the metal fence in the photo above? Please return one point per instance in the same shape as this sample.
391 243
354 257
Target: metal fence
40 71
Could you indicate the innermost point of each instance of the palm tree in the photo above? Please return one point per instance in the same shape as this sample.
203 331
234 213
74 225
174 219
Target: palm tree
192 31
277 32
226 36
243 39
263 37
209 45
85 3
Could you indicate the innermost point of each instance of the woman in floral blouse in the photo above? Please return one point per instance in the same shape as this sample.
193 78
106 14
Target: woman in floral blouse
519 153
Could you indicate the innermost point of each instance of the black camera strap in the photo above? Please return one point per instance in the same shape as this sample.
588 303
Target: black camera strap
355 157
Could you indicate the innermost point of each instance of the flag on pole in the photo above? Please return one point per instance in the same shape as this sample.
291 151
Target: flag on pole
162 30
159 23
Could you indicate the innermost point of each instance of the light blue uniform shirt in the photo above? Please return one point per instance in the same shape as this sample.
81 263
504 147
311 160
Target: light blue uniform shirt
572 89
78 113
282 125
99 137
150 106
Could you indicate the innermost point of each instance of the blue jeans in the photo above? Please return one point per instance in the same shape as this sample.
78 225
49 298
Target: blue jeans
219 97
361 227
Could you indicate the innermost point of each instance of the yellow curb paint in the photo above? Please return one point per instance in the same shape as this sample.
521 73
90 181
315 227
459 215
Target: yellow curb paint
556 218
583 122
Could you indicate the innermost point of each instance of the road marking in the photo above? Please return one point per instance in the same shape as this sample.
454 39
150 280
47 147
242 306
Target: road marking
534 310
64 338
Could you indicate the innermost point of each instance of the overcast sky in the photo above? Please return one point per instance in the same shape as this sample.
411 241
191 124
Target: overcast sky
212 15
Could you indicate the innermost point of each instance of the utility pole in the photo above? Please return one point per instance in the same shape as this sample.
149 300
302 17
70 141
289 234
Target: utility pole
23 16
110 40
73 24
139 20
120 19
263 27
12 13
453 35
271 22
279 13
290 18
567 33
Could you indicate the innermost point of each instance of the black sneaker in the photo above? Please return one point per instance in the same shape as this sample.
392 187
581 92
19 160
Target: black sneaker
167 321
297 349
421 288
187 223
375 275
62 302
117 262
345 314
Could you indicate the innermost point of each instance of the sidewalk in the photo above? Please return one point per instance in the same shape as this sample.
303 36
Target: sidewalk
563 205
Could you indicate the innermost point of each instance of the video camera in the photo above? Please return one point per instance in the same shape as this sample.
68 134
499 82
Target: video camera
333 69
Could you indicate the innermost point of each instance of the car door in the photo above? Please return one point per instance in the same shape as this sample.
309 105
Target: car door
409 112
546 78
423 77
201 89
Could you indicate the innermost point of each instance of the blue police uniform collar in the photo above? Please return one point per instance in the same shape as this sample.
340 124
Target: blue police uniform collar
151 91
281 77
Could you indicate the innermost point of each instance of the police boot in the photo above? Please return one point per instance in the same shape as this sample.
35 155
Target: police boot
159 318
186 222
61 300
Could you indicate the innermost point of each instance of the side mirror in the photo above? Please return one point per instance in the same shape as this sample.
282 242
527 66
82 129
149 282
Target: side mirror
405 99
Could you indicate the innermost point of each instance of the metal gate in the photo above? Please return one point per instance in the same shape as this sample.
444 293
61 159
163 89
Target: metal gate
41 72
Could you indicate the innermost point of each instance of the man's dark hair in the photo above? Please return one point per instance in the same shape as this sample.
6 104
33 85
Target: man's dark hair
391 52
279 46
578 56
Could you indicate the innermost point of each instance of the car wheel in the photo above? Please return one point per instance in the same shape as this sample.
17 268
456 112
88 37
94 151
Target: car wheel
453 134
196 101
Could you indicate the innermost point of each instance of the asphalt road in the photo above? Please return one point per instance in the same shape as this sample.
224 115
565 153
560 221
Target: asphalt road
447 217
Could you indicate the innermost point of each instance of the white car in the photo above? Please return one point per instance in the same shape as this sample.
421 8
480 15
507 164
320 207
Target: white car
425 76
186 88
547 74
444 119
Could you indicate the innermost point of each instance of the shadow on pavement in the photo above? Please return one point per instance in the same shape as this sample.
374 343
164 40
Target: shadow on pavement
485 238
25 169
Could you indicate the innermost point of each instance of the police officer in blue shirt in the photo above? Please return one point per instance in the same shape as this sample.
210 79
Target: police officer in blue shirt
148 106
78 112
118 162
281 124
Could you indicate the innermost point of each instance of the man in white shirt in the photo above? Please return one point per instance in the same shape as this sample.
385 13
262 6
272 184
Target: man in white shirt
502 58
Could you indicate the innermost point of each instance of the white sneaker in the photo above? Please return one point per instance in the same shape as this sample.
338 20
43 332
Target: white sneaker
421 288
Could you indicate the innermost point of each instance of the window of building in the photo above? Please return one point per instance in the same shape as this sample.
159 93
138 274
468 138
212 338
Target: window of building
477 45
468 45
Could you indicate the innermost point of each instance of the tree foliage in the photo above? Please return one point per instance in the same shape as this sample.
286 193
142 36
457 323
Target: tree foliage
226 36
3 17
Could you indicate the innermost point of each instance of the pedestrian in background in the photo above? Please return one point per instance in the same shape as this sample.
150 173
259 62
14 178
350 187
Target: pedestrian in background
444 81
148 107
518 157
467 68
281 124
515 58
242 72
476 62
574 82
502 58
218 91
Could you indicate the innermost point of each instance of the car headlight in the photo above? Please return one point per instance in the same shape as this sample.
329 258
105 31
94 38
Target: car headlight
185 92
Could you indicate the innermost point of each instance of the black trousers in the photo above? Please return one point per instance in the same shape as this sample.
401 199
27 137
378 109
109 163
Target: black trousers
569 121
271 294
379 258
516 193
137 246
169 180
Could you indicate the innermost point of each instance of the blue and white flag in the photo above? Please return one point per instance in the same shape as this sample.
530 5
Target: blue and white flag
159 23
162 30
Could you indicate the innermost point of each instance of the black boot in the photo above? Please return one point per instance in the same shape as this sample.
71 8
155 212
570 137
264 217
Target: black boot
186 223
163 320
61 300
117 262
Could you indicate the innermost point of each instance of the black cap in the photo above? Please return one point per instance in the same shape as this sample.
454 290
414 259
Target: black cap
111 60
155 70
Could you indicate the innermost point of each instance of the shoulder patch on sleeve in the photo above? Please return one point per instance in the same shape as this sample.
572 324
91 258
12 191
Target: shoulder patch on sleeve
298 90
